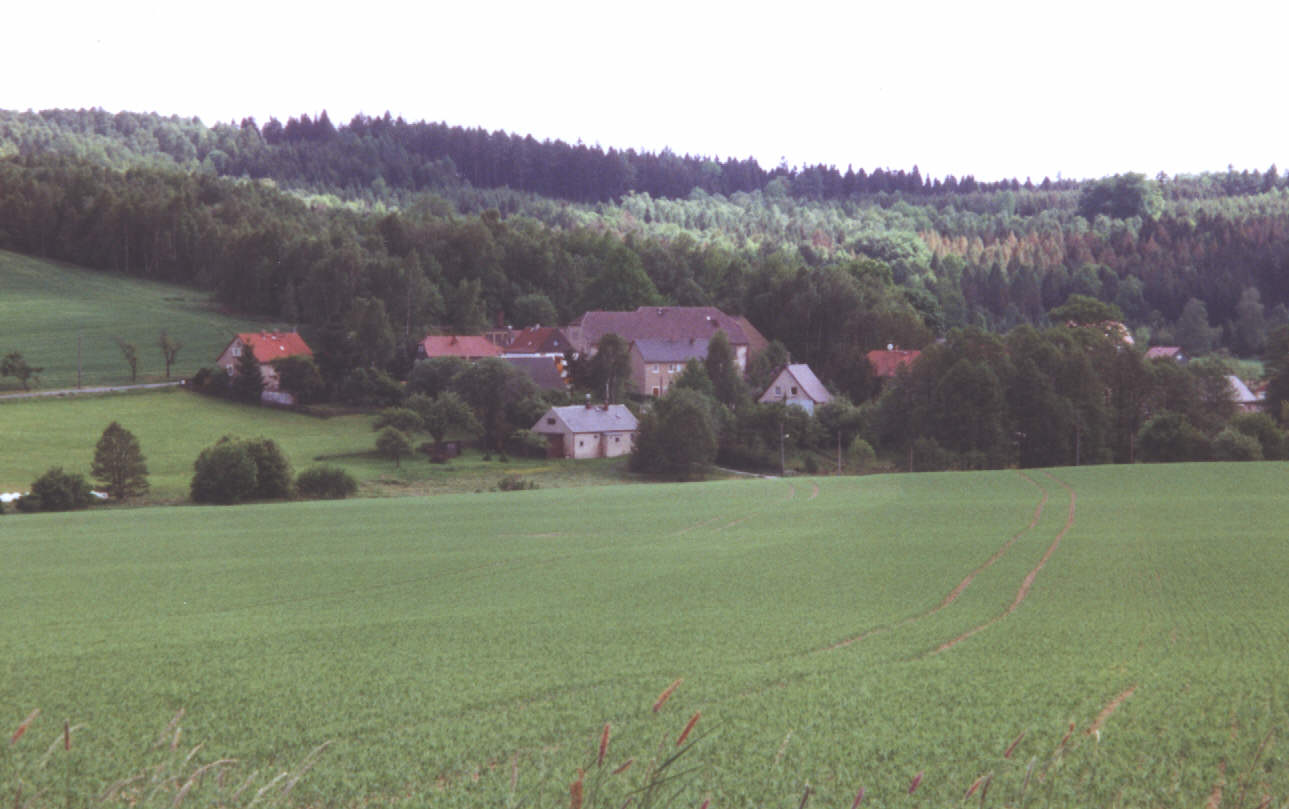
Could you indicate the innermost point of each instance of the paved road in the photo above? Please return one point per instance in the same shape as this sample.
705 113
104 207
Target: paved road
31 394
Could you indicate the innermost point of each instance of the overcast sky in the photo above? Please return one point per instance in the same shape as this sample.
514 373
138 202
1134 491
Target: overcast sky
993 88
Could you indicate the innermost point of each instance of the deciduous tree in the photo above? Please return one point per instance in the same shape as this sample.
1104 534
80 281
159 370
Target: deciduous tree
119 465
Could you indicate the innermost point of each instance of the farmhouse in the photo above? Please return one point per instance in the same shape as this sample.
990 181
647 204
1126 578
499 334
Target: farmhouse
587 431
268 347
656 363
673 323
796 385
457 345
1246 401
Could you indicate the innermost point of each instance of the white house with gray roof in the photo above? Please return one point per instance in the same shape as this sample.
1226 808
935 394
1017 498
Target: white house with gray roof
587 431
797 385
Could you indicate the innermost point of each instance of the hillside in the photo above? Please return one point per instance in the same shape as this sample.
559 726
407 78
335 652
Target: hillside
49 308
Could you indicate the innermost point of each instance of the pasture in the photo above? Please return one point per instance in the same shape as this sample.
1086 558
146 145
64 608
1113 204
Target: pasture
46 306
173 426
467 650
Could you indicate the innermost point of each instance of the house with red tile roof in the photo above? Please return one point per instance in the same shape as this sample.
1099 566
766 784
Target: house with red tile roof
268 347
887 363
457 345
539 341
668 323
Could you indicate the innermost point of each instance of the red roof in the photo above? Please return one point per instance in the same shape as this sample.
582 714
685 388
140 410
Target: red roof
539 340
274 345
457 345
887 363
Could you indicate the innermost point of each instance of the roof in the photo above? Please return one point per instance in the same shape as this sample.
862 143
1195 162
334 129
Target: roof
662 323
547 372
456 345
539 340
1240 392
806 380
274 345
671 350
1163 352
588 419
887 362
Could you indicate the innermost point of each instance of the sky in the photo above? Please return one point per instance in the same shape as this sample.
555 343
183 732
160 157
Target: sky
991 88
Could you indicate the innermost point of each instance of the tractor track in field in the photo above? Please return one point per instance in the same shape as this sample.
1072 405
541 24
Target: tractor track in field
1023 592
953 594
1110 708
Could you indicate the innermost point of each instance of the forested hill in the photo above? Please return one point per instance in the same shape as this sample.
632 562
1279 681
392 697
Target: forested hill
384 221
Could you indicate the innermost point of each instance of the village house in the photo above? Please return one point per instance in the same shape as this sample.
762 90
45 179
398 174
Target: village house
268 347
656 363
796 385
539 341
587 431
1246 401
886 364
457 345
1173 353
671 323
548 373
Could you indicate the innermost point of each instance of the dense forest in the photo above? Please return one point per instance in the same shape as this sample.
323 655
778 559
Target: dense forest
390 228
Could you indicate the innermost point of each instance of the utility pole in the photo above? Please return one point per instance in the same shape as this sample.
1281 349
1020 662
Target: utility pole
78 357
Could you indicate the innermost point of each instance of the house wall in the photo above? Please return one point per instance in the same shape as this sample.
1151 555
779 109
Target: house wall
786 390
228 361
646 376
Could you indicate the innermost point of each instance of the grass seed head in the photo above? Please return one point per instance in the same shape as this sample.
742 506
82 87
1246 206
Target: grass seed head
666 694
684 734
604 745
913 786
624 766
575 792
67 735
1011 748
22 728
859 798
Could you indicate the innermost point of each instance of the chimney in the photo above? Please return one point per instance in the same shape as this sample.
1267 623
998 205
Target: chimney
588 401
660 311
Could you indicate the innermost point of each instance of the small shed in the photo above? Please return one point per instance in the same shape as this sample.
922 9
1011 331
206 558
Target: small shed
587 431
797 385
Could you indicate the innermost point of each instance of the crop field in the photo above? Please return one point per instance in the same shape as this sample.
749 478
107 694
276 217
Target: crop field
1108 636
45 307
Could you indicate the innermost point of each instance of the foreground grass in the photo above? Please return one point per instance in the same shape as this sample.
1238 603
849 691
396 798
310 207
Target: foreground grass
47 306
445 645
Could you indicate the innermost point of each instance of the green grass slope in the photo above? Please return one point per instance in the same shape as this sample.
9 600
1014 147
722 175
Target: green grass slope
466 650
173 426
46 306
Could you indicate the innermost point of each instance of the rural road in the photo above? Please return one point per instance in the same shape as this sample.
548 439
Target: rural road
31 394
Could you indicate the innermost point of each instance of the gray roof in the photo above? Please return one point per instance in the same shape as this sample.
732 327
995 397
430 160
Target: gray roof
588 419
806 381
653 350
660 322
543 370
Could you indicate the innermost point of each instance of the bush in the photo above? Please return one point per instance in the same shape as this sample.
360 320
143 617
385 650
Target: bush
325 483
929 456
514 483
1233 445
234 470
212 382
224 473
859 455
1262 427
1169 437
57 490
367 387
526 444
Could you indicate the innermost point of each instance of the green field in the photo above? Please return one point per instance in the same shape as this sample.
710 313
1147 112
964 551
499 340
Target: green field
173 426
446 645
46 308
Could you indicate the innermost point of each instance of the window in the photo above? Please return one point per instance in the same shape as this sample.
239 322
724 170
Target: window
794 390
778 390
550 420
653 369
237 350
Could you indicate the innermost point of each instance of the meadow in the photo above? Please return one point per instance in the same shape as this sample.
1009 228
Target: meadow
173 426
1120 641
47 307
